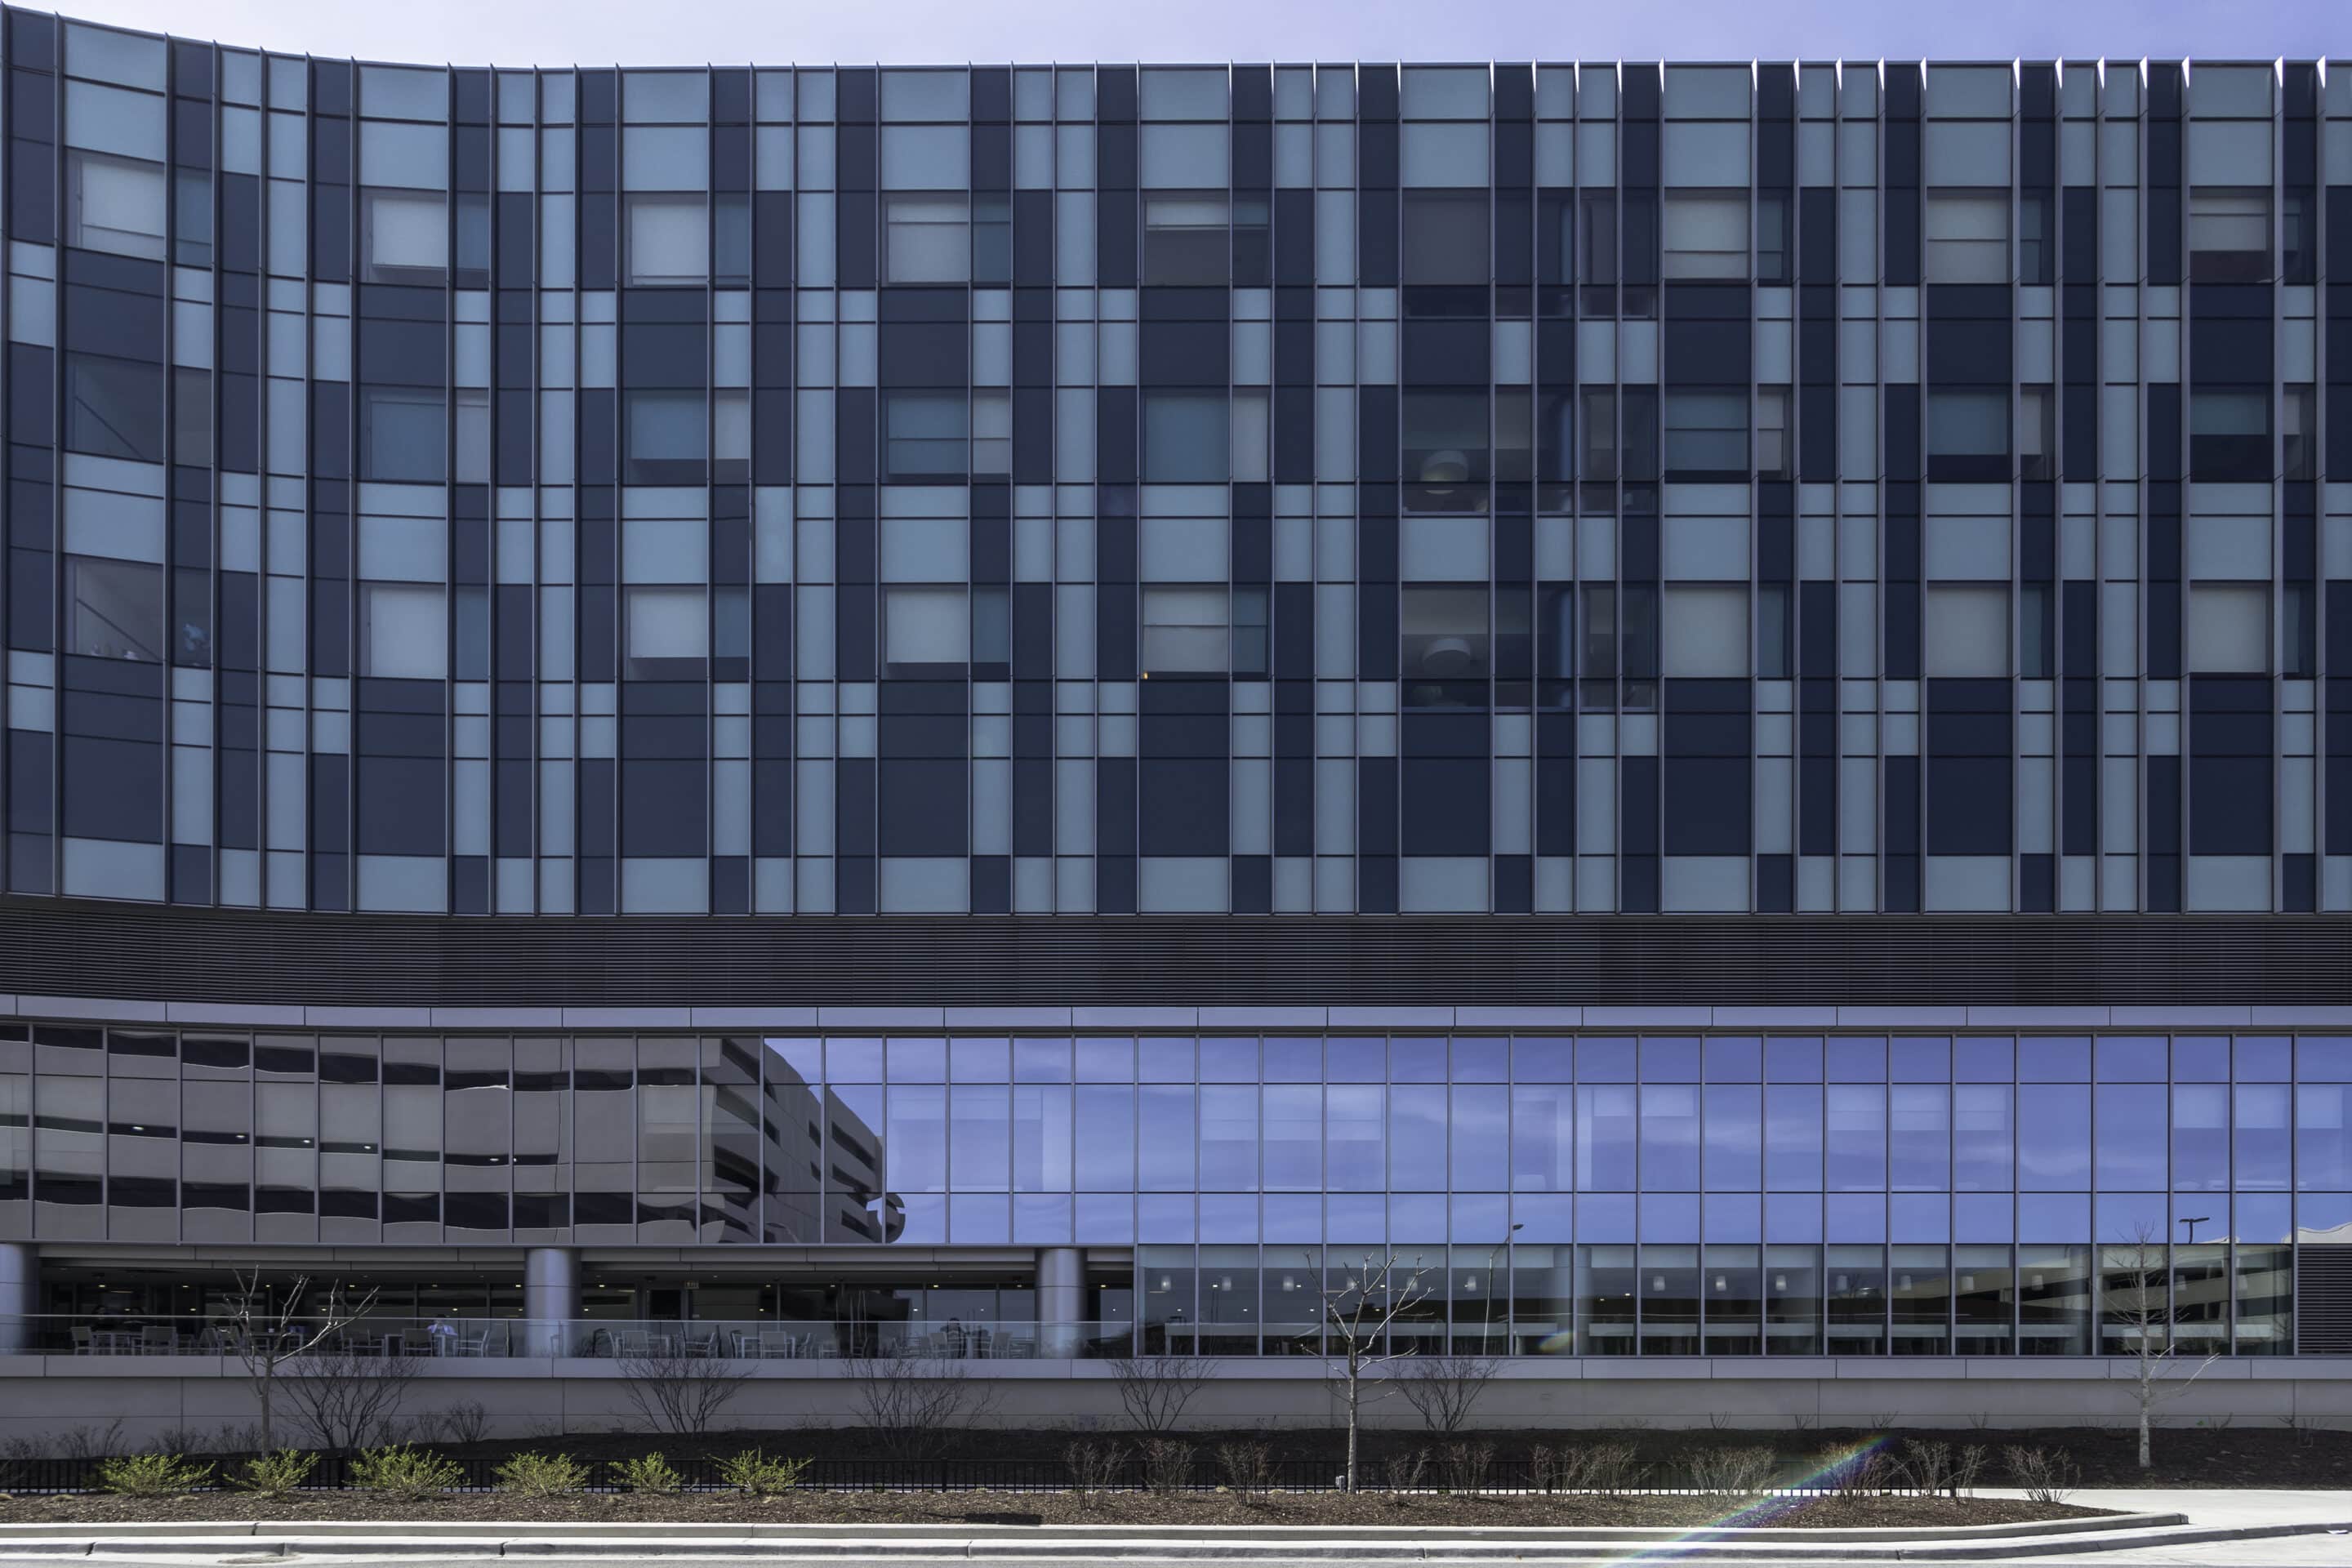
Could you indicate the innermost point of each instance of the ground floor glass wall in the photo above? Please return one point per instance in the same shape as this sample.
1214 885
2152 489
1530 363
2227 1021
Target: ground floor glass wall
1725 1300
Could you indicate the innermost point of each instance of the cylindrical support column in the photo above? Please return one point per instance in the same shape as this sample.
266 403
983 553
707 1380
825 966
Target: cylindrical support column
1061 1301
20 1296
551 1295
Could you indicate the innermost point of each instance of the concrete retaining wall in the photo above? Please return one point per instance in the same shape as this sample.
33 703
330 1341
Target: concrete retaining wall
44 1396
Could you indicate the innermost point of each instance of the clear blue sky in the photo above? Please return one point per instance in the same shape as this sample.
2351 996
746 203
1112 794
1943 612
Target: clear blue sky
564 32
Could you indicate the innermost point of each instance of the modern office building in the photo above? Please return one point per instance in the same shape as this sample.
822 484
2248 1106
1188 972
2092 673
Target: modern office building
1027 709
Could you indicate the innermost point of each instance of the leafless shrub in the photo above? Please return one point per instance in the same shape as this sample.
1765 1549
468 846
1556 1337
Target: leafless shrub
1167 1464
1717 1420
238 1437
1248 1470
464 1421
1951 1469
1884 1420
2046 1474
1589 1467
1853 1472
342 1400
1446 1388
543 1428
1800 1421
1743 1472
1465 1465
1156 1390
18 1454
682 1395
2305 1428
913 1402
1408 1471
1094 1468
1979 1420
178 1440
92 1442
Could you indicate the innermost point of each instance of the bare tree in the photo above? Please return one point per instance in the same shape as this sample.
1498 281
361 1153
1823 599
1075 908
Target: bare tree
2143 1308
1157 1389
343 1398
265 1338
911 1403
1447 1388
1357 1314
682 1394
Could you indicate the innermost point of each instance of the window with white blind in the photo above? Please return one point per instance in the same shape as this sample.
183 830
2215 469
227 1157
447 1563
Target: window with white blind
1704 632
925 626
404 236
730 433
1251 436
925 238
669 241
2229 235
2228 628
1184 629
1185 238
1968 236
1968 629
115 203
1704 234
668 632
992 432
403 630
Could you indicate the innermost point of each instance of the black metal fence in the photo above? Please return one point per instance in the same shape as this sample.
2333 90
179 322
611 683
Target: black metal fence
1421 1472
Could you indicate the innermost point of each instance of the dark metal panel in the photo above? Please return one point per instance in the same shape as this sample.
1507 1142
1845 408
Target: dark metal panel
69 948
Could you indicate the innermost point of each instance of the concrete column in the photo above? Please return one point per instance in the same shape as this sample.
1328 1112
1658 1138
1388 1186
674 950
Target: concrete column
20 1295
1061 1301
551 1294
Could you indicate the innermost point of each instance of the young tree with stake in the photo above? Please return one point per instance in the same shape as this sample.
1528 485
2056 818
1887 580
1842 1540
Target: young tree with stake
1358 1312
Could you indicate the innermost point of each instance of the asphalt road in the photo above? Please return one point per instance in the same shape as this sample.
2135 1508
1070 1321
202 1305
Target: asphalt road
2278 1552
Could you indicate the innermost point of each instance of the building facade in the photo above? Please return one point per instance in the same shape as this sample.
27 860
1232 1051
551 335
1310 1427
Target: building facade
1040 708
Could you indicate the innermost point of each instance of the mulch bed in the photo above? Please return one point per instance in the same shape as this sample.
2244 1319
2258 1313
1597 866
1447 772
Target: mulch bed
1034 1509
2228 1456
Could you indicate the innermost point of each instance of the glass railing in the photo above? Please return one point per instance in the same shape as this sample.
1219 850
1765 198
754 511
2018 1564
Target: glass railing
629 1340
1653 1334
